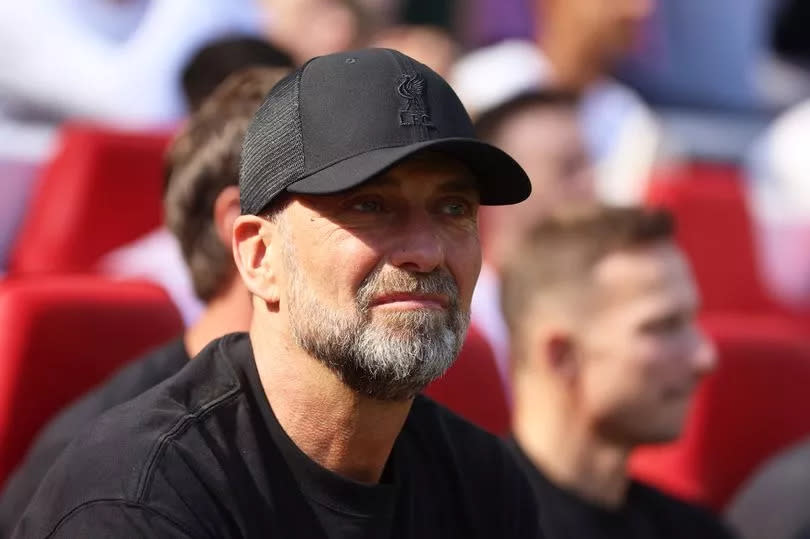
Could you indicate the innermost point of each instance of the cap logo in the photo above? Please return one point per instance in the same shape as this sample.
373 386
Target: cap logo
413 111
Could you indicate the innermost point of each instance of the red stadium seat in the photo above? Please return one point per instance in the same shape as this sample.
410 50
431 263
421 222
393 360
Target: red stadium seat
472 387
754 405
102 189
60 336
714 228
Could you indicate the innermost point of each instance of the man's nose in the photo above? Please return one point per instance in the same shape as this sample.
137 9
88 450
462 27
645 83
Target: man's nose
417 245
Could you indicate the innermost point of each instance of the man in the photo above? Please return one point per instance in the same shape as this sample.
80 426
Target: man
156 256
360 182
539 129
578 43
201 203
606 354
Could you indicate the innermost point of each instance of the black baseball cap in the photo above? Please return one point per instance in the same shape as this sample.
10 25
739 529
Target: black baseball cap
345 118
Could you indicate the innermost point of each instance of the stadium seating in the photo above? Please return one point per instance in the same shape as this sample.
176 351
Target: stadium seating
60 336
714 228
472 387
754 405
102 189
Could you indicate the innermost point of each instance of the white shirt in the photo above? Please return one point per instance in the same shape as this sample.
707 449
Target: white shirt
56 59
157 257
487 317
778 191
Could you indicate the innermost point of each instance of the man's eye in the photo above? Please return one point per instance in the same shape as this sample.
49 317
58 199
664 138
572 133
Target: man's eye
457 209
367 206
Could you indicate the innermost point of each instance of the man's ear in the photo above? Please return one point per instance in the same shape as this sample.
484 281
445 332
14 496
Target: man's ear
226 210
254 239
560 354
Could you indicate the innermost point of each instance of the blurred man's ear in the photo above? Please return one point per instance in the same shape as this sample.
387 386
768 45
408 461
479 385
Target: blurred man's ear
254 239
226 210
560 355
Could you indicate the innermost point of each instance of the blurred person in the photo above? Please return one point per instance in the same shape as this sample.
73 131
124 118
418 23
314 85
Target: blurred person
578 43
772 503
115 62
778 167
157 256
539 129
201 203
606 355
430 45
360 182
218 59
309 28
55 67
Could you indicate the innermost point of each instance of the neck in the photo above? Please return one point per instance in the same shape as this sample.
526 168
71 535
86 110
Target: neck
574 64
228 312
342 431
568 452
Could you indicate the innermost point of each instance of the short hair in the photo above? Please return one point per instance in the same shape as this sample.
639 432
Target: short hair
560 253
202 160
491 120
216 61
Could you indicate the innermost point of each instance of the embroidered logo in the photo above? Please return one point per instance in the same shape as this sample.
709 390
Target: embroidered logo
413 111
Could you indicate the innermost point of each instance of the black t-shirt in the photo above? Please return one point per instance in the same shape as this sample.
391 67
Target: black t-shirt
129 382
202 455
647 513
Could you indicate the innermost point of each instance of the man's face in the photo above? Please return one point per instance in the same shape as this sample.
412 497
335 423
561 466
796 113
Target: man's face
546 142
642 352
377 280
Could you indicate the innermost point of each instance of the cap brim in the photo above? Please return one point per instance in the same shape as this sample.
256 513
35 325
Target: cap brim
500 179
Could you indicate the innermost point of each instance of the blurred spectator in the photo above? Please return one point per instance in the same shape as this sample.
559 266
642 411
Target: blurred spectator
308 28
201 203
430 45
772 504
579 42
779 193
219 59
540 131
606 354
54 66
156 256
753 63
111 61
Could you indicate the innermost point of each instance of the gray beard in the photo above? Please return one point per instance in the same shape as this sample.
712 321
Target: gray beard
393 356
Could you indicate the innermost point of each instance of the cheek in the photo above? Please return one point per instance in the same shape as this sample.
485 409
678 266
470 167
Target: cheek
338 266
464 263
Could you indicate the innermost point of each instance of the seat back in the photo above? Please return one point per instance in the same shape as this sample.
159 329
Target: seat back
751 407
62 335
472 387
102 189
714 228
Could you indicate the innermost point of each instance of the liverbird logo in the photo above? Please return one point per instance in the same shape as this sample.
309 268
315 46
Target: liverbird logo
411 89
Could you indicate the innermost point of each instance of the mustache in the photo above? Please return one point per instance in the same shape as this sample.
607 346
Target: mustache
381 282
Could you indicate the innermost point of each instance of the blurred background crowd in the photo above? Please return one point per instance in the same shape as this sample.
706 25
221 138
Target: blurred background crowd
699 107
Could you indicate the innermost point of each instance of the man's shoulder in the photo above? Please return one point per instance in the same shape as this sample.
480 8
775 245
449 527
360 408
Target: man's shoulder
123 457
132 380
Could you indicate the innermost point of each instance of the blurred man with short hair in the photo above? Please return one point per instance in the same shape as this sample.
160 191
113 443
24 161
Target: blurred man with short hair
606 355
201 202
